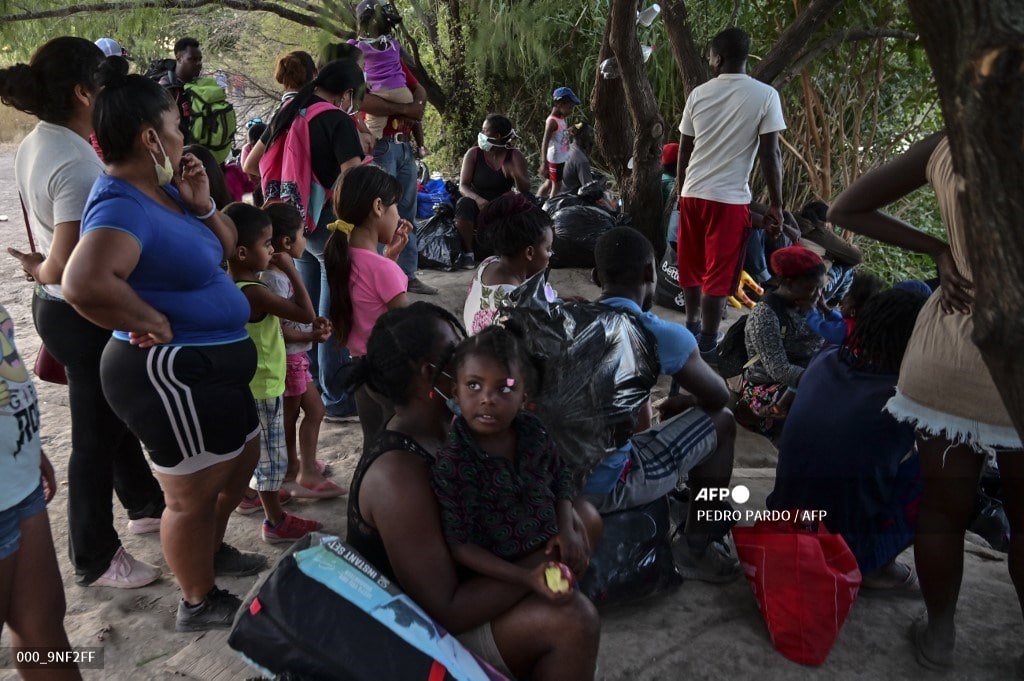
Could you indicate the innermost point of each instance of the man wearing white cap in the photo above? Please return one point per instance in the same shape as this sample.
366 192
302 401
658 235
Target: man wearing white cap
112 48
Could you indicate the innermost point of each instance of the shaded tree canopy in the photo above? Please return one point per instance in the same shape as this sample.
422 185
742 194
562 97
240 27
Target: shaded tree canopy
855 83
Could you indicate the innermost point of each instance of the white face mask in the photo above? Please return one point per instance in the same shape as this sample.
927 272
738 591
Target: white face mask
164 171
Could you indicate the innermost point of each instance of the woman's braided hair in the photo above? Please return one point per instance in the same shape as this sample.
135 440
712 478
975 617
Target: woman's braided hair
401 339
884 325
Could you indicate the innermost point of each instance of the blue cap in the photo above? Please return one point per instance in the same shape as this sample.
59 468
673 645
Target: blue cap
565 93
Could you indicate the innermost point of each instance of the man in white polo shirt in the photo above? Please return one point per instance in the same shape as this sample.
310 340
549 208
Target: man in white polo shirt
726 122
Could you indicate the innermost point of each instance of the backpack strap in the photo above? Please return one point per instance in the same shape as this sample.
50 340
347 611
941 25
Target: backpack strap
778 306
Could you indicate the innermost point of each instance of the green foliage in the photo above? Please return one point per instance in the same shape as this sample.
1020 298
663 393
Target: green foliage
921 210
852 108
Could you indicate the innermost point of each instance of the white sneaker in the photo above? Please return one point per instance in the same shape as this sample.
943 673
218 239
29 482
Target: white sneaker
144 525
126 572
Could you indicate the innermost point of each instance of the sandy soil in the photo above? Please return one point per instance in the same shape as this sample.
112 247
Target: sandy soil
696 632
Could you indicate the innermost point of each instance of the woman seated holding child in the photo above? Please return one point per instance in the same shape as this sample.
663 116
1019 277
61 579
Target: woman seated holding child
395 521
779 341
851 458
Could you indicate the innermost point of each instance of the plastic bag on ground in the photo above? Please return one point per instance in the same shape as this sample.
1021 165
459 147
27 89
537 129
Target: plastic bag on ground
633 560
805 580
667 292
577 229
437 240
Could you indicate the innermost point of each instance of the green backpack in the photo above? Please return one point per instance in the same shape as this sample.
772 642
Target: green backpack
213 122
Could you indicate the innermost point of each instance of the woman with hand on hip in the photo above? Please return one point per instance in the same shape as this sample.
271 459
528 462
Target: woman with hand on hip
178 367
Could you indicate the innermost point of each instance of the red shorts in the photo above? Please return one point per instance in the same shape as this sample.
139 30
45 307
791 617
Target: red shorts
555 171
712 244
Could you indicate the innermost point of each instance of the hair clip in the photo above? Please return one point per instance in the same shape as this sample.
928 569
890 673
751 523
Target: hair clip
510 382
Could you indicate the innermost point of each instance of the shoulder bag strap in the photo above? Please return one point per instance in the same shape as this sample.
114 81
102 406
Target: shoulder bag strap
28 227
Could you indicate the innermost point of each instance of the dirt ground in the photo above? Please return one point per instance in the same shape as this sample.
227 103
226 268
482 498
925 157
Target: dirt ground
697 632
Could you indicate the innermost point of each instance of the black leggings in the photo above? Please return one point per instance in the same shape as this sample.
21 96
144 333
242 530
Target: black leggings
105 456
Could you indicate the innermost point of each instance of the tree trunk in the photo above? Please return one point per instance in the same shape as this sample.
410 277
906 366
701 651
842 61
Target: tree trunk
613 131
692 66
460 110
641 186
977 53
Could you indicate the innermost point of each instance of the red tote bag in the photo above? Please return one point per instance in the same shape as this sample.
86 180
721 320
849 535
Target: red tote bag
805 580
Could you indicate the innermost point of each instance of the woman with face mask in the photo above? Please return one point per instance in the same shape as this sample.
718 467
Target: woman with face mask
491 168
178 366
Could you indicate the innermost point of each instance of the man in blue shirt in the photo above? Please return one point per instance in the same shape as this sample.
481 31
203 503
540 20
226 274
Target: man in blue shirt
695 436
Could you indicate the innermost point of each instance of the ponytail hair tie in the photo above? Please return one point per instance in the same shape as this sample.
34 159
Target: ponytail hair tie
340 225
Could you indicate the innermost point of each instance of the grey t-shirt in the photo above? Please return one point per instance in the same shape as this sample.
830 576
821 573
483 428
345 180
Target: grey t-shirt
576 172
54 169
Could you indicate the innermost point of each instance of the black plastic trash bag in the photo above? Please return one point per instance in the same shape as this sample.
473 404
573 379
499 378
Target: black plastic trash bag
667 292
437 240
989 518
324 612
560 201
598 365
633 560
577 229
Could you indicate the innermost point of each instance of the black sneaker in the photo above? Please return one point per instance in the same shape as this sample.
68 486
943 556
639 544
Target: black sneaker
217 611
230 562
417 286
466 262
716 565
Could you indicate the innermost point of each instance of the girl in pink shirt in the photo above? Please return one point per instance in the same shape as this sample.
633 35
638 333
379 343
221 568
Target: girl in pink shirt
364 284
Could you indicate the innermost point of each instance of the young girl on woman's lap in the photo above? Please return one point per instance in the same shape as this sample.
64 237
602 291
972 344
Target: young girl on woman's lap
505 494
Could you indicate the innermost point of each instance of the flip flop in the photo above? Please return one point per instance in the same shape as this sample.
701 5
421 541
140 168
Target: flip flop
325 490
322 468
918 629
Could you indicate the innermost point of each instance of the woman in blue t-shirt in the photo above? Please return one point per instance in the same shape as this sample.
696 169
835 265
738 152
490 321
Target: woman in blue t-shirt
55 168
178 367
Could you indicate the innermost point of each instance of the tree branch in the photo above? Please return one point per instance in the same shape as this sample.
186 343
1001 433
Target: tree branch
688 58
129 5
832 42
794 38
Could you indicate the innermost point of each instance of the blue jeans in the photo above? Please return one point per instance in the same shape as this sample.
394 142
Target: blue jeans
759 250
396 158
329 361
756 262
672 234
